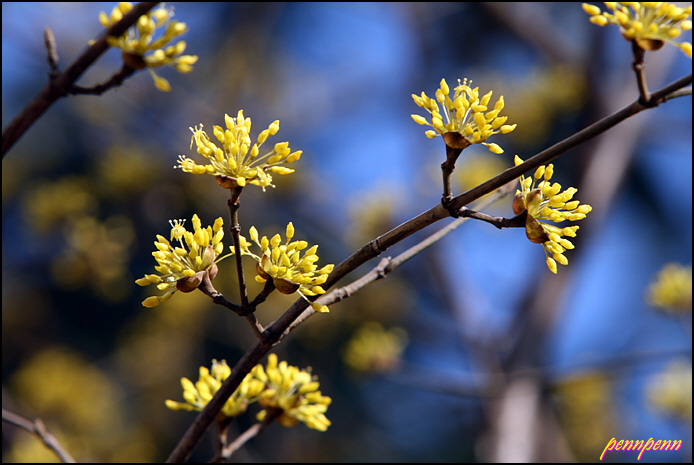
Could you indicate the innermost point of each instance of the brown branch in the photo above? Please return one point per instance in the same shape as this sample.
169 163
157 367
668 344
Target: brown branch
63 82
38 428
275 331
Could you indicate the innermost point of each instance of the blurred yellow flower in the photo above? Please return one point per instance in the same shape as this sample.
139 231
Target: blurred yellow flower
96 255
293 391
468 120
283 262
81 404
197 395
545 202
140 49
586 411
374 349
671 391
237 162
648 24
49 203
183 267
672 289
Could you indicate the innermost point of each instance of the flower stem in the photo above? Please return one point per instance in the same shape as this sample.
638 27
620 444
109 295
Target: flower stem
639 67
517 221
247 310
447 168
234 203
115 81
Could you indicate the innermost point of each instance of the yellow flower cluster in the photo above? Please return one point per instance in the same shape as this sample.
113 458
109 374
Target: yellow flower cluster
141 49
375 349
238 162
649 24
671 391
586 411
283 262
183 267
295 392
545 202
278 386
672 289
198 395
466 114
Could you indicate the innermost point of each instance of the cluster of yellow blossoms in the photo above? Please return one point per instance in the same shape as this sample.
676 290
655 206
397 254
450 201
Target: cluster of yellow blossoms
466 114
141 49
671 390
546 202
198 395
672 289
648 24
295 392
284 263
374 349
238 162
277 386
182 267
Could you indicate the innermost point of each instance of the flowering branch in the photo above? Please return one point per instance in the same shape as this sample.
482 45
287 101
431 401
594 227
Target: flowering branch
274 333
666 93
61 85
38 428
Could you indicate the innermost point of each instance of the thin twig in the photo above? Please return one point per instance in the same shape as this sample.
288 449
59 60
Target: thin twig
388 264
115 81
255 325
517 221
273 333
218 298
222 440
38 428
51 52
263 294
61 85
227 449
